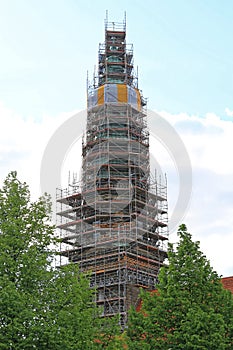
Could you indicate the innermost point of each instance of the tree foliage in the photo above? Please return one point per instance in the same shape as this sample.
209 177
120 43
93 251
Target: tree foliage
190 310
40 307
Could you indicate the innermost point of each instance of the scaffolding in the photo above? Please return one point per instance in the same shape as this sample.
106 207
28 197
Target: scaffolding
113 223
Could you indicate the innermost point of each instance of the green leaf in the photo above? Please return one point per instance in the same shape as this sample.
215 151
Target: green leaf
191 309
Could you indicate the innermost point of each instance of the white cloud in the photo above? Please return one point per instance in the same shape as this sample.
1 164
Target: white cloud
209 143
229 113
208 140
22 143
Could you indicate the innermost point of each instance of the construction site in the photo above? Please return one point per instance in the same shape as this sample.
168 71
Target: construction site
113 222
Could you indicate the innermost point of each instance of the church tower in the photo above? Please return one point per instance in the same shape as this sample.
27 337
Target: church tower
114 223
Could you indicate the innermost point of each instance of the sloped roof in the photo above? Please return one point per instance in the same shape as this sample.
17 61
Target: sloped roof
228 283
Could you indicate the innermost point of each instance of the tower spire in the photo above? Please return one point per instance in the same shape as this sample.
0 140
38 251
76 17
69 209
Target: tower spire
115 56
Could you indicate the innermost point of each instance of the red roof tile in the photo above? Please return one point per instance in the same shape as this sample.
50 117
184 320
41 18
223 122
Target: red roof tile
228 283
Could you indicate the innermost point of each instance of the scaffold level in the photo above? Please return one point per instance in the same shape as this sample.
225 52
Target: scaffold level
113 223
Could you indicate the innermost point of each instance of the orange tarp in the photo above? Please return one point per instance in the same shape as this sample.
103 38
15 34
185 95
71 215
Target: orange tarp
122 93
100 98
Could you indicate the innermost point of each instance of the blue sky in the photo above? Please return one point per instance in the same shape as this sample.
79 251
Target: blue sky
183 50
184 53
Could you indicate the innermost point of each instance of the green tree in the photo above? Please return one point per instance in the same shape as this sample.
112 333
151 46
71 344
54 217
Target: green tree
190 310
40 307
111 337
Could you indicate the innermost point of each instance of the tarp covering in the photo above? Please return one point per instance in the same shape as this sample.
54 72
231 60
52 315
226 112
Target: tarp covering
119 93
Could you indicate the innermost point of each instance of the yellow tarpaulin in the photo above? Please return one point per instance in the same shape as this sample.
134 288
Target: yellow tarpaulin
122 93
100 98
138 98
